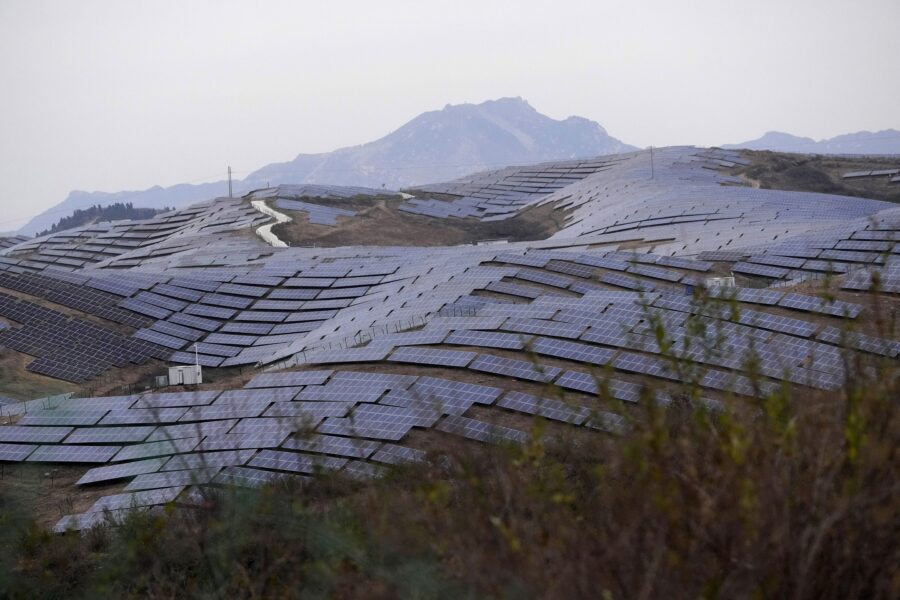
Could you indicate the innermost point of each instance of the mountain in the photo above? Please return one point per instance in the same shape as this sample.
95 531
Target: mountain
435 146
862 142
449 143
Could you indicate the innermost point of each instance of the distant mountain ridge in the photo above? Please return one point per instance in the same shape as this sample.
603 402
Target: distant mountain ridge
435 146
886 141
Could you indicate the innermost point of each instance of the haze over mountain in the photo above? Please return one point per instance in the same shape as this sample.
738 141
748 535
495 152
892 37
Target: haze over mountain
435 146
862 142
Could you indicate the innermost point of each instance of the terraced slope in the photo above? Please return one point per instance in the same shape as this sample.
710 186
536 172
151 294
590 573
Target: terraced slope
357 357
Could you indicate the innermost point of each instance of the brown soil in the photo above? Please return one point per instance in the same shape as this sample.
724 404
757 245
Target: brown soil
379 223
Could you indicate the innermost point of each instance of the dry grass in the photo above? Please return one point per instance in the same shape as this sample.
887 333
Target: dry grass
792 495
379 223
20 384
818 173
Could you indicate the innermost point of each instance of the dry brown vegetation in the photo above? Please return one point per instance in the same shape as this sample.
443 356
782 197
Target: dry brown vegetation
792 495
379 223
819 173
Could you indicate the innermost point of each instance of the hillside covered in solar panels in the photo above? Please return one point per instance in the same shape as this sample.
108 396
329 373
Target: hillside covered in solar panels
355 329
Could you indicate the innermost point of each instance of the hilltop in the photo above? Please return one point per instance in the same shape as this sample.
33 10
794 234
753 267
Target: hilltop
886 141
435 146
97 214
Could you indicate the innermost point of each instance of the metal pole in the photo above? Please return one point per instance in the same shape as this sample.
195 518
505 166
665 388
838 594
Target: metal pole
230 195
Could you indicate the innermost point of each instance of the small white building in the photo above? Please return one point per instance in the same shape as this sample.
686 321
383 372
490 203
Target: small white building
186 375
727 282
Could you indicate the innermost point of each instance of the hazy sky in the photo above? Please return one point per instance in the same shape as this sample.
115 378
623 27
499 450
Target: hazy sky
123 95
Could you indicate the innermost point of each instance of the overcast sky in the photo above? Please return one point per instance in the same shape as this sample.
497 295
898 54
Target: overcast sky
123 95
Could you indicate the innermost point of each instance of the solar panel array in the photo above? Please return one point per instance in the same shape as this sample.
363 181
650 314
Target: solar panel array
67 347
317 213
452 341
498 195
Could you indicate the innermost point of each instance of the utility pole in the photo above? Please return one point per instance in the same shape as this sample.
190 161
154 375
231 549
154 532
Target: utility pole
651 162
230 195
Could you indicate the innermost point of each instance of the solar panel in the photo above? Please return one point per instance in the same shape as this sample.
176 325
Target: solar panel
453 395
122 471
432 356
330 444
73 454
15 452
293 294
341 393
761 270
190 430
242 290
309 282
195 322
34 435
366 379
136 499
250 478
557 281
160 448
89 416
396 455
295 462
262 316
88 520
155 337
270 437
383 422
288 379
170 399
572 351
231 339
144 308
225 301
308 412
179 331
149 481
624 281
214 312
519 369
655 272
190 358
480 431
108 435
543 327
591 384
570 268
487 339
143 416
206 460
292 328
241 410
247 328
545 407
